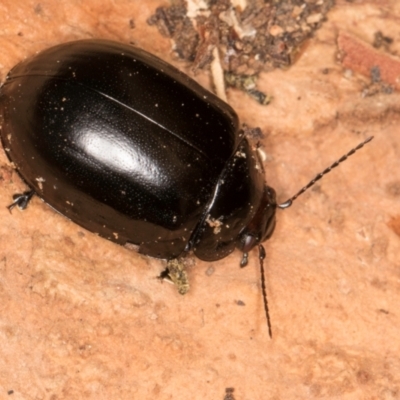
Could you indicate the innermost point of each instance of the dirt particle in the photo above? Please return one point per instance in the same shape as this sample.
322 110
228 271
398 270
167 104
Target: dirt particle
157 389
210 270
229 394
363 377
393 189
6 173
68 241
379 284
394 225
38 9
382 41
380 245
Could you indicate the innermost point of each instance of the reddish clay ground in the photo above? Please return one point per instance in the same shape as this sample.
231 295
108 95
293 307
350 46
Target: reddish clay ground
82 318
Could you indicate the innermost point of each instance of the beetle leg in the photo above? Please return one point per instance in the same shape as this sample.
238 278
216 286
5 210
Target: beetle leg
176 273
245 260
21 200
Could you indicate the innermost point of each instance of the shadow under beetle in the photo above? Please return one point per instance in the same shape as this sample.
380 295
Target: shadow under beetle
128 147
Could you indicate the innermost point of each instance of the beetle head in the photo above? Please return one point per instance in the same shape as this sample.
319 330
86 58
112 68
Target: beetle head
262 225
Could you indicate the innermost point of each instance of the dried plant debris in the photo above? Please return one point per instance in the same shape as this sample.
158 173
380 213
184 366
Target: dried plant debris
172 22
241 38
382 67
247 83
175 273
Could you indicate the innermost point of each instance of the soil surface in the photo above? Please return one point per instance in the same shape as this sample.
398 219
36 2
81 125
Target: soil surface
83 318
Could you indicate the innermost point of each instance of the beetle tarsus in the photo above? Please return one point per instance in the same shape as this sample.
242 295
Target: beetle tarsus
245 260
21 200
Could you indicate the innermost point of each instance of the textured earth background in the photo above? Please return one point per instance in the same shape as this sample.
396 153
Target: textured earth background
83 318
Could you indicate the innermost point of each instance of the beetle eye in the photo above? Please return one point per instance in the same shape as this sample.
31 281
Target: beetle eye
249 242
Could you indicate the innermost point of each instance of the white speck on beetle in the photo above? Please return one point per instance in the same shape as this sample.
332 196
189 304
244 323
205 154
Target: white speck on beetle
240 154
214 223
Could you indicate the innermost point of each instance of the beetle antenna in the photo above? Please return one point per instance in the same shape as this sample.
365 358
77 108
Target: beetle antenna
261 256
289 202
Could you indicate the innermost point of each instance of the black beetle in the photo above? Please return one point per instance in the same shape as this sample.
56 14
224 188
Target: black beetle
129 147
